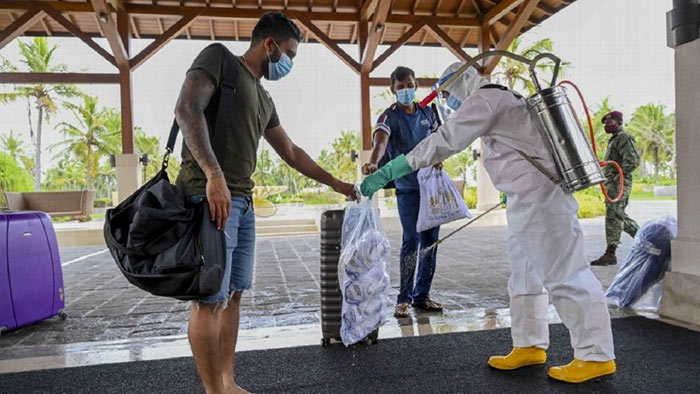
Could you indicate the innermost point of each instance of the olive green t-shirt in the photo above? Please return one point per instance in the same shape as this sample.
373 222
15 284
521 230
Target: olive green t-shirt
235 145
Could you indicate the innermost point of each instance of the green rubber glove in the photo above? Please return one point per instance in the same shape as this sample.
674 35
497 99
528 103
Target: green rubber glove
392 170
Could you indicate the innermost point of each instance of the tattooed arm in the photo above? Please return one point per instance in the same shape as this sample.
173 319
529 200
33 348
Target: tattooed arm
195 94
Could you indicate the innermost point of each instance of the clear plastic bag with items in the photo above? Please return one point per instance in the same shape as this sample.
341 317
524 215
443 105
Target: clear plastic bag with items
638 281
363 272
440 202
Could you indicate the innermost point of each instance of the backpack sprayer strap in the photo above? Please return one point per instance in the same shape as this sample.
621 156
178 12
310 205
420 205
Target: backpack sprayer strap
552 177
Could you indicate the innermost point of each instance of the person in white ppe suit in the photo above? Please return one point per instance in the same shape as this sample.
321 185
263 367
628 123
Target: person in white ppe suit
545 241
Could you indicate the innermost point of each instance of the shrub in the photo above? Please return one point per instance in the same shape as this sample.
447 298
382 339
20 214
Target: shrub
470 196
103 202
13 178
322 198
590 203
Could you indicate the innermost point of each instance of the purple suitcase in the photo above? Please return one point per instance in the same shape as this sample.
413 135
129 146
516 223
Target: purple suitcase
31 279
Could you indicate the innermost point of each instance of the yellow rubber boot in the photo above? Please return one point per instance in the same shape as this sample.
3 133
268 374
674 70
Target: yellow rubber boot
579 371
519 357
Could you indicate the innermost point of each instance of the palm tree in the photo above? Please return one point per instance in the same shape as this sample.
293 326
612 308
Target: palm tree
13 146
149 145
68 174
264 168
458 165
37 56
655 134
601 137
89 140
343 166
515 75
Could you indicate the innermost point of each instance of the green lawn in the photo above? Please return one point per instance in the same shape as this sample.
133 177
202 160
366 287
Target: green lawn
643 195
98 216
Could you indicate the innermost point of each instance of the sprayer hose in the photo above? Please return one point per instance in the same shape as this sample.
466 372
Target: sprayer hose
595 150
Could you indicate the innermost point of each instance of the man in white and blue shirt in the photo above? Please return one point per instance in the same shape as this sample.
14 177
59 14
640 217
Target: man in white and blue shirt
398 130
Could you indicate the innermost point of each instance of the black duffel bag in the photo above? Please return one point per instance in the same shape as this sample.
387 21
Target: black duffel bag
162 245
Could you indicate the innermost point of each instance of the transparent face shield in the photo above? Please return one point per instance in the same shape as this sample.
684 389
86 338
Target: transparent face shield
445 112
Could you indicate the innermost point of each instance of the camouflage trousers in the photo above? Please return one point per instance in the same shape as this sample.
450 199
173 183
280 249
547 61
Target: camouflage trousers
616 219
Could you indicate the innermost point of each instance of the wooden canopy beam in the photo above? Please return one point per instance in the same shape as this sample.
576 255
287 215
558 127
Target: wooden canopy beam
324 39
381 81
444 39
499 10
484 41
73 29
241 13
524 12
368 8
46 27
375 33
174 31
103 12
398 43
20 25
56 78
134 28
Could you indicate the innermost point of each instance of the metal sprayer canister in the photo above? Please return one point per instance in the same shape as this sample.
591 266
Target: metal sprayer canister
561 129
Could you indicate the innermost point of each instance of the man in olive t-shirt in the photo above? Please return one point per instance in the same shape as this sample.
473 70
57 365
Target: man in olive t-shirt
217 164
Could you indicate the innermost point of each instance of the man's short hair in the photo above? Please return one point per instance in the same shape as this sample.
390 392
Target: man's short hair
401 73
275 24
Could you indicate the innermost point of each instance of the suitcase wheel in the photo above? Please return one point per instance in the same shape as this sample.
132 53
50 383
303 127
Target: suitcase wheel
62 315
325 341
2 329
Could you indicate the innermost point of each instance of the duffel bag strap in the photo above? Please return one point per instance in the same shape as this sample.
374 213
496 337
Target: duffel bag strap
171 144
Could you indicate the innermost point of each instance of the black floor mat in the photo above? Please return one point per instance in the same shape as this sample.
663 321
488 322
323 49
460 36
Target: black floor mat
652 357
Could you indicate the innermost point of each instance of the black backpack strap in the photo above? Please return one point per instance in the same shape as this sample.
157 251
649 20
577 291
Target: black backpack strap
227 92
501 87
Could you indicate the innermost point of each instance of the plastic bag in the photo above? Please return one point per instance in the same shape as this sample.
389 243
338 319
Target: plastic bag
363 272
637 282
440 202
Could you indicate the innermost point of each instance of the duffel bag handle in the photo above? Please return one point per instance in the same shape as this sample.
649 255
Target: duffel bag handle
171 144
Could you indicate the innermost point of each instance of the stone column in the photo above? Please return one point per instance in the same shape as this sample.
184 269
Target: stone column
681 299
486 193
128 174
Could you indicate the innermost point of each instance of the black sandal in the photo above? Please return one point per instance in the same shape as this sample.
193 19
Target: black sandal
428 305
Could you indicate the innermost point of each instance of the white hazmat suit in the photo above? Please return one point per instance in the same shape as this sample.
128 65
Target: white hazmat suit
545 242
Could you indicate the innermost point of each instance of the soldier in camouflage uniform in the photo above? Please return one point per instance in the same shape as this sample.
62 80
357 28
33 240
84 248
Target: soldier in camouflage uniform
622 150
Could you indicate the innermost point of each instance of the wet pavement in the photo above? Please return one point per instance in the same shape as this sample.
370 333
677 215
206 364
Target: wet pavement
470 281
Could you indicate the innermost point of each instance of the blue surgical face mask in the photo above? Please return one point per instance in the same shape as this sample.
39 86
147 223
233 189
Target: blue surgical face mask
279 69
406 96
453 102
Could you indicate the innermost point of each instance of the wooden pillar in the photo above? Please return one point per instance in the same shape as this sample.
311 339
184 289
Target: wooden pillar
486 193
365 108
123 27
365 100
484 40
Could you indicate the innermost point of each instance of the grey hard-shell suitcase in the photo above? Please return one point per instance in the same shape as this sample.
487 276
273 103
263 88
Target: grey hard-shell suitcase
331 297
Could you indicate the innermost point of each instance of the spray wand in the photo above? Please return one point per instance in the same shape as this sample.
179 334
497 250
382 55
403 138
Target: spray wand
532 63
439 241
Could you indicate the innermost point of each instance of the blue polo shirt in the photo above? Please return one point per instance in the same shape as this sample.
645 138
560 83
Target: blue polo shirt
405 132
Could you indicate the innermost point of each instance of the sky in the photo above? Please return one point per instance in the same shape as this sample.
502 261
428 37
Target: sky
616 48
